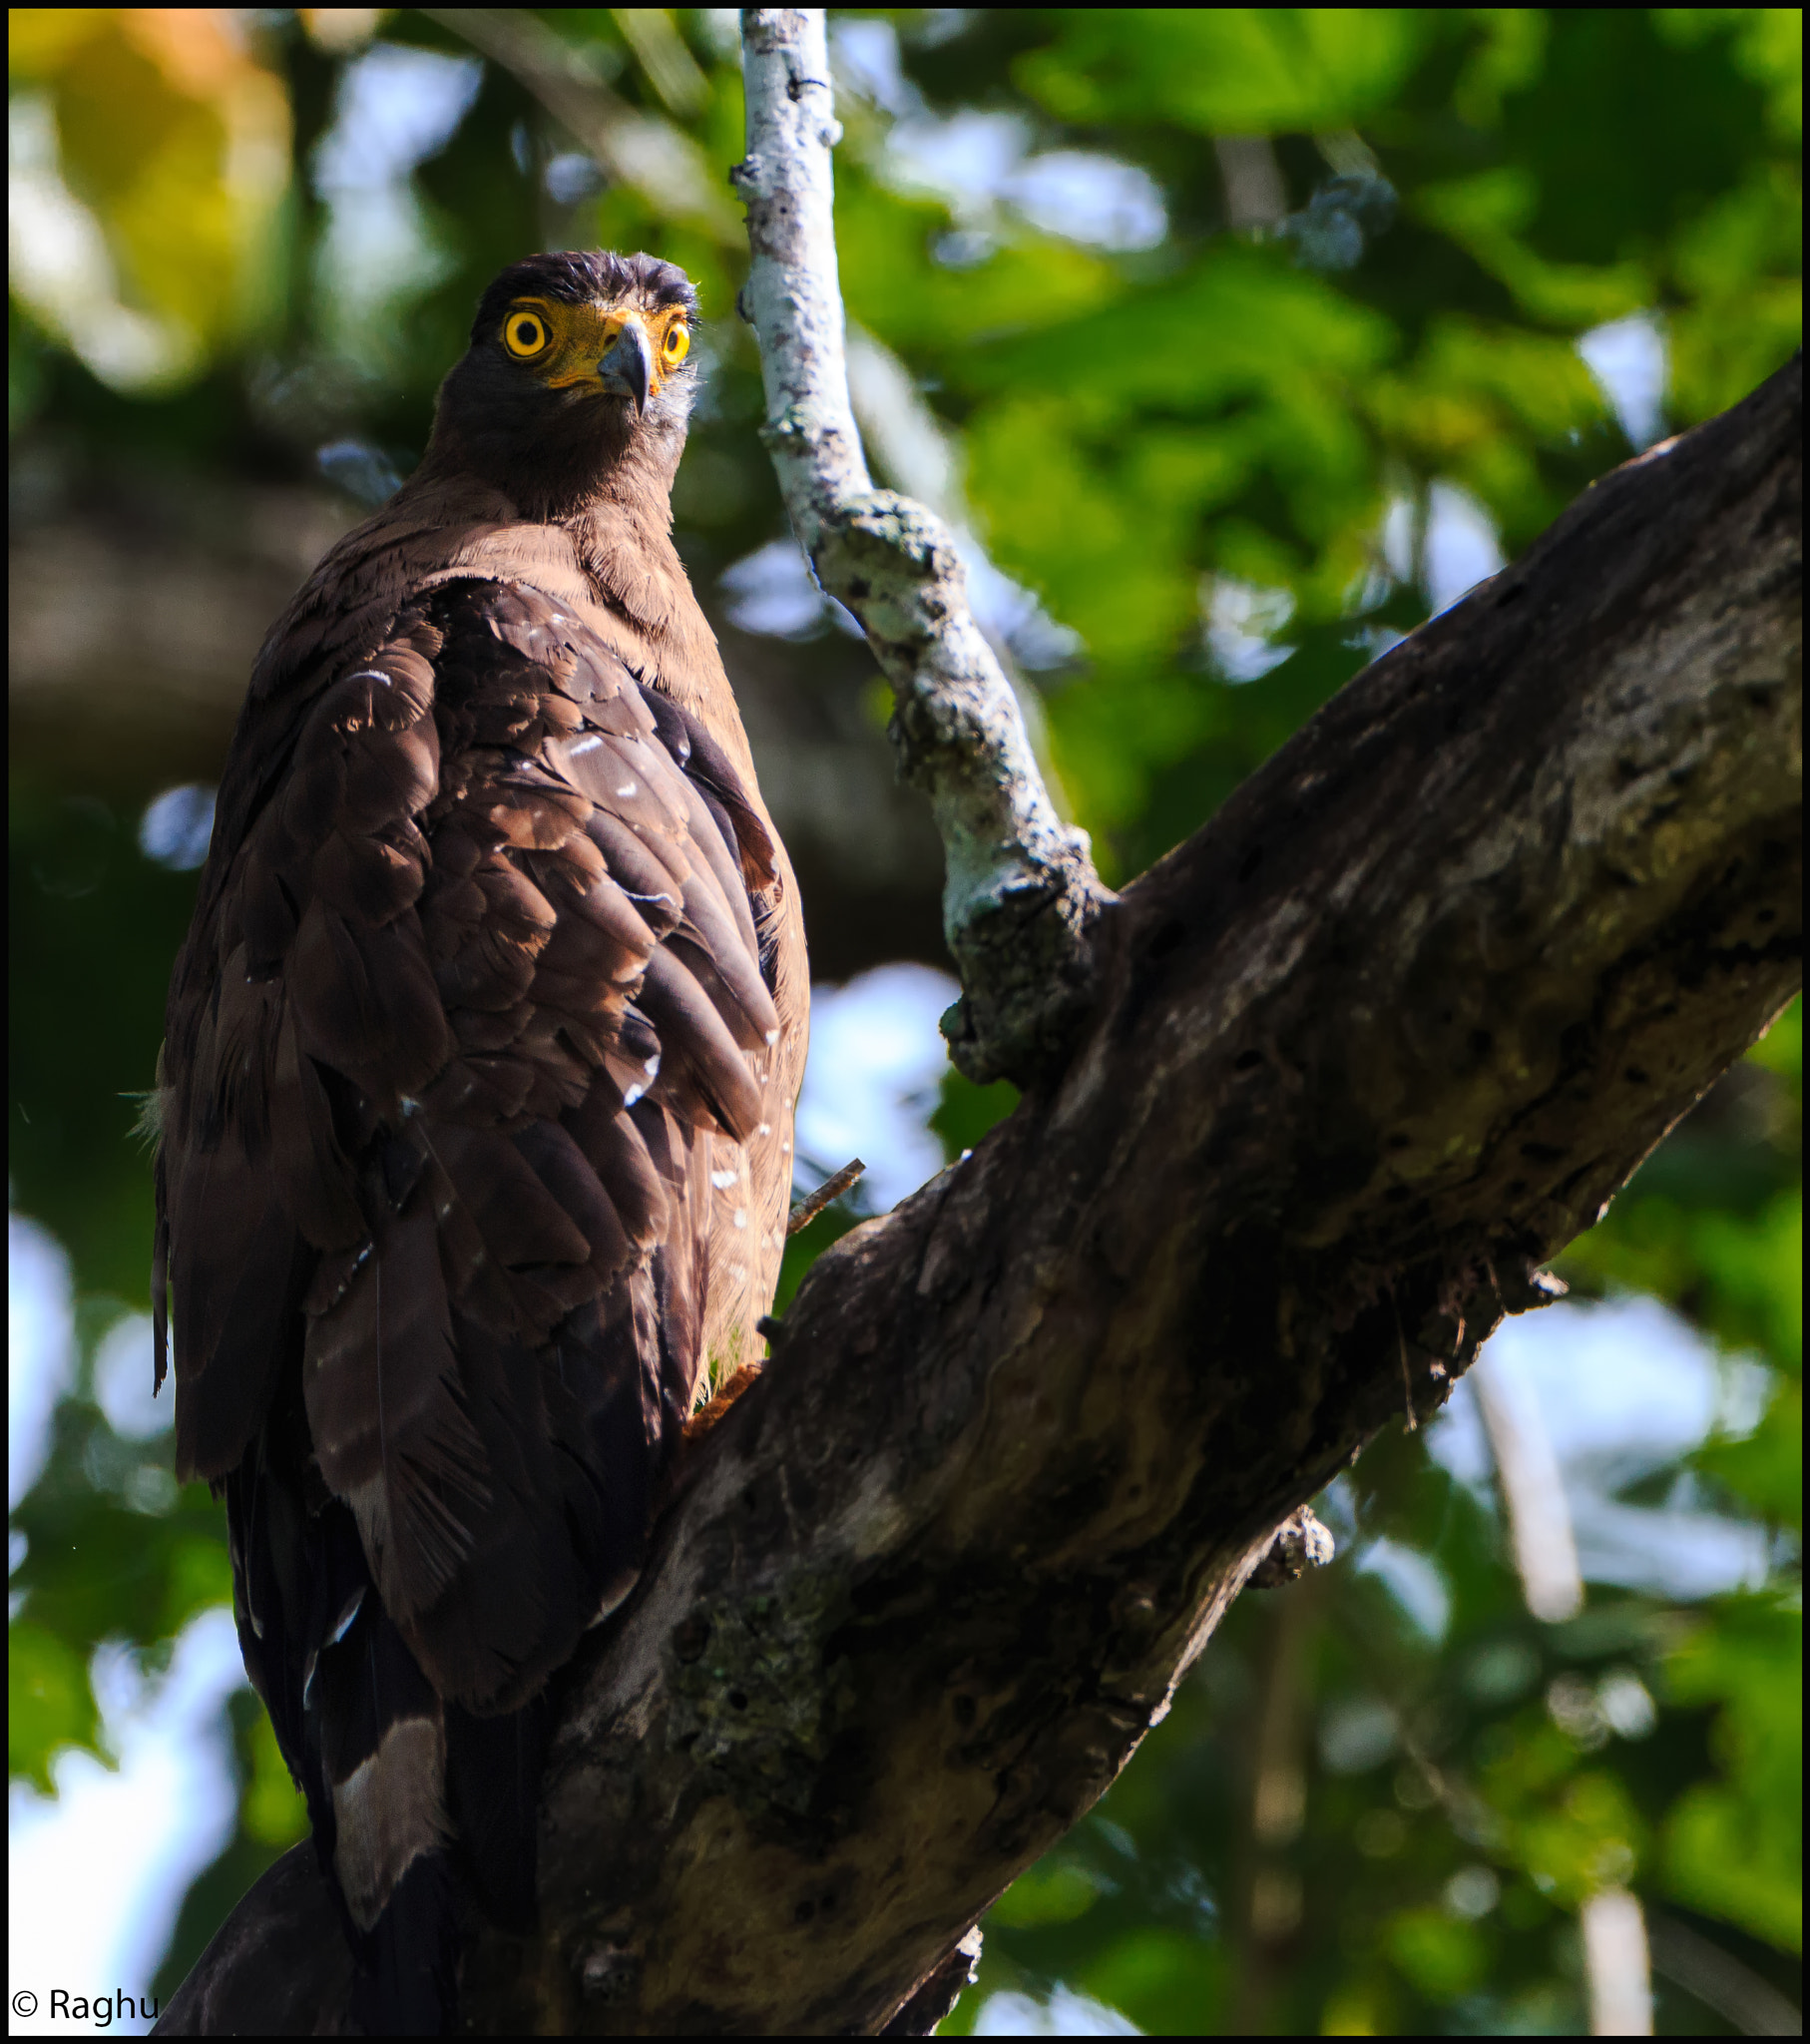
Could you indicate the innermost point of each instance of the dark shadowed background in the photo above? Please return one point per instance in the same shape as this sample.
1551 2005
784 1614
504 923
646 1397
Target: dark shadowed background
1236 343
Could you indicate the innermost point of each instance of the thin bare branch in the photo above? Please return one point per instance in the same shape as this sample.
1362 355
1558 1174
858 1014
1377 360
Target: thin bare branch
1022 902
829 1191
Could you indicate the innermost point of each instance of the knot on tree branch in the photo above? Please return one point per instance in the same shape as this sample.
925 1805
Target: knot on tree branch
1028 966
1301 1542
894 564
867 533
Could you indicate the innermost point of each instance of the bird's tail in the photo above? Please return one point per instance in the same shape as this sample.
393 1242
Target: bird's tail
422 1812
376 1781
432 1811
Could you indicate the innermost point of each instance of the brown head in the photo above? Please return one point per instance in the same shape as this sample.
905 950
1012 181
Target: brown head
580 370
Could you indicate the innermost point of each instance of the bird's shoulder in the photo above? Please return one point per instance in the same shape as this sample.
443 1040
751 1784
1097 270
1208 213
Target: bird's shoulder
427 535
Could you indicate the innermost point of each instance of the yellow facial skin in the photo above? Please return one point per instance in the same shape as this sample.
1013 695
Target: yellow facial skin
564 343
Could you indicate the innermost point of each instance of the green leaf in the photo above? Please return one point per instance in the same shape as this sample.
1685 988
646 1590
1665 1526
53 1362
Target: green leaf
1757 1267
1052 1891
1733 1846
1766 1470
1168 1983
274 1811
176 141
892 284
1227 69
965 1111
49 1703
1442 1955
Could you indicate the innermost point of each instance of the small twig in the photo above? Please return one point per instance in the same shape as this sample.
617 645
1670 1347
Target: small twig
813 1204
1407 1374
1301 1542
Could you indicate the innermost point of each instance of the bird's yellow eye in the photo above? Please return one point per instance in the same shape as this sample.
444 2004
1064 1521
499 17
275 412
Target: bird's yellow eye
524 334
677 346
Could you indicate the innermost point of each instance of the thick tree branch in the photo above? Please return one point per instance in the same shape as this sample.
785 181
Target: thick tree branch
1370 1047
1020 898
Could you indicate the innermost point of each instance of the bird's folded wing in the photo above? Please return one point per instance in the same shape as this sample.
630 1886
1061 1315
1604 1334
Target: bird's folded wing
478 1008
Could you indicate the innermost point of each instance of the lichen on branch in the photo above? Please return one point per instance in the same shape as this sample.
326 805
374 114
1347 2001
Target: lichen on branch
1020 898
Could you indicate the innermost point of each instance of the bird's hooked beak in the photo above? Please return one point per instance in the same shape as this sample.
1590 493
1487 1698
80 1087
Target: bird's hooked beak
625 367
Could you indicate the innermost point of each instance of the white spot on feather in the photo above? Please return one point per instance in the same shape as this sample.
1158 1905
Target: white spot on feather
387 1812
742 1216
579 746
765 1129
627 790
722 1180
633 1095
738 1272
773 1036
342 1625
614 1592
652 1067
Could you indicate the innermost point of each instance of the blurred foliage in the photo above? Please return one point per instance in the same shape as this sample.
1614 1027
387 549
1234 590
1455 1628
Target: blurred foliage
173 140
1211 429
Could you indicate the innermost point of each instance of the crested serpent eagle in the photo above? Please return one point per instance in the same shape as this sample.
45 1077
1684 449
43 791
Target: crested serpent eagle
475 1102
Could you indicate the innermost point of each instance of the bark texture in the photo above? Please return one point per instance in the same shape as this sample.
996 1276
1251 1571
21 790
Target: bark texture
1368 1049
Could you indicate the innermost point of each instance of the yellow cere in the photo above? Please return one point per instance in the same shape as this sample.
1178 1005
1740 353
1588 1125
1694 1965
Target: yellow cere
569 339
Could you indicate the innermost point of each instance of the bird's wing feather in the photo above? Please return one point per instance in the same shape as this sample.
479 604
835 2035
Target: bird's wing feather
475 1006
